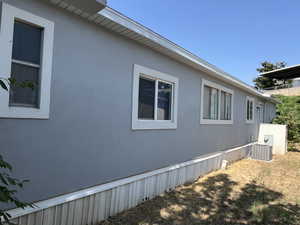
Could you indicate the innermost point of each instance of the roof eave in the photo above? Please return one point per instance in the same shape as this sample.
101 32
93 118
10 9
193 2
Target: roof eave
186 56
125 26
87 6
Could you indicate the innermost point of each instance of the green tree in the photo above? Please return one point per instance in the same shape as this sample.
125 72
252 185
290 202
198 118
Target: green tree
262 82
268 66
288 113
8 184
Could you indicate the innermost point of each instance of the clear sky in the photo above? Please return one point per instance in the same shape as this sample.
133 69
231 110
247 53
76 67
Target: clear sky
234 35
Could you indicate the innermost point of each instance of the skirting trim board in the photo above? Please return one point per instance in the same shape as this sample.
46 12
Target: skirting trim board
92 205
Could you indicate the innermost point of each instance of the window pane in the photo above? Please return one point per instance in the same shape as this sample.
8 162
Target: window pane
146 99
250 105
27 43
214 109
206 102
211 103
248 110
251 110
164 101
228 106
225 106
24 96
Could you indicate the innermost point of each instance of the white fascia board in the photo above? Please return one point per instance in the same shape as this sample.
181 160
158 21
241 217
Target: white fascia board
179 51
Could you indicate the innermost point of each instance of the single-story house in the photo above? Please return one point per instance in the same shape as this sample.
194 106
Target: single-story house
115 102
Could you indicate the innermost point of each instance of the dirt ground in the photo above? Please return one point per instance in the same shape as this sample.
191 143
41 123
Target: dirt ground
248 192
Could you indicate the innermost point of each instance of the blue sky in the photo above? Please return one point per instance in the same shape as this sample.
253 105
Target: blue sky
234 35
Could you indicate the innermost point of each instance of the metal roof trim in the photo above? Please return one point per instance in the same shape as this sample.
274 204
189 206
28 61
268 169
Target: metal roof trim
163 45
124 21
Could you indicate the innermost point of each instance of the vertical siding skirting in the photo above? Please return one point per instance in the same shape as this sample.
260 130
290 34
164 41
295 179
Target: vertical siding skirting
90 206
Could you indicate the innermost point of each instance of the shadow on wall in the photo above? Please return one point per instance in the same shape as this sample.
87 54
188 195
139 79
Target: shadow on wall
213 201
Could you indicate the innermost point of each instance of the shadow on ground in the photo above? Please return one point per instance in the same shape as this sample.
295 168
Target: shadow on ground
213 201
294 147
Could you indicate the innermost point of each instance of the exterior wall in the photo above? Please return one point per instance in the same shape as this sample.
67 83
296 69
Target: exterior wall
92 205
88 139
270 112
296 82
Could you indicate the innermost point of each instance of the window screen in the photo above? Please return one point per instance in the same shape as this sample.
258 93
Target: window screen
26 54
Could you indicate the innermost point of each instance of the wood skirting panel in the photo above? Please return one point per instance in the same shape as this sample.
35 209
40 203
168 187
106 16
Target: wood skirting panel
91 209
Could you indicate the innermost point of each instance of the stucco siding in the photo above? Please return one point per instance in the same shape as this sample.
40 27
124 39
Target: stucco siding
88 139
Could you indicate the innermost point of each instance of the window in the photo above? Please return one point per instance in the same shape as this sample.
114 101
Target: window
249 110
226 99
211 103
146 99
164 101
25 66
154 99
27 44
217 104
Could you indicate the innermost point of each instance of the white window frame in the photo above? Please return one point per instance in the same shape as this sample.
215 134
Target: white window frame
8 17
248 98
138 124
219 88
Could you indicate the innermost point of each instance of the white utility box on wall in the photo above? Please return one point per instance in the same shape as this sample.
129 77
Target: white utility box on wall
274 135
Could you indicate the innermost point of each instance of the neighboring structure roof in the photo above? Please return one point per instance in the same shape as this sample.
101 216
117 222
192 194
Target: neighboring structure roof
286 73
118 23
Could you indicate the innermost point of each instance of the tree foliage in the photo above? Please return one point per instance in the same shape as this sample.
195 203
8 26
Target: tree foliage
5 82
8 184
8 190
288 113
262 82
268 66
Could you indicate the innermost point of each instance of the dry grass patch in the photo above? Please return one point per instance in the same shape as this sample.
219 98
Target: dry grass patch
249 192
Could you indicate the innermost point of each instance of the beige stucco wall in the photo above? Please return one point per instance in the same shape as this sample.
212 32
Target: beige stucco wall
279 133
295 91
